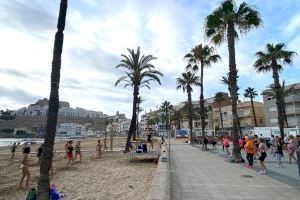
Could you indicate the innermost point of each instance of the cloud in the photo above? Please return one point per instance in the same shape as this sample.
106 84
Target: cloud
18 95
292 26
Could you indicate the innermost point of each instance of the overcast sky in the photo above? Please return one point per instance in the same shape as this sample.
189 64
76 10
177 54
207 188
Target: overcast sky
99 31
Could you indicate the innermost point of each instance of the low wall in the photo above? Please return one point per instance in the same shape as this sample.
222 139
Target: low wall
160 187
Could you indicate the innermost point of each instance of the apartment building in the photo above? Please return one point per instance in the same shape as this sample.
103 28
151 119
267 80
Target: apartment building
292 107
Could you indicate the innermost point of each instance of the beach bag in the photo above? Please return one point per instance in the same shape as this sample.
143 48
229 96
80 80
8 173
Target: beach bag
31 194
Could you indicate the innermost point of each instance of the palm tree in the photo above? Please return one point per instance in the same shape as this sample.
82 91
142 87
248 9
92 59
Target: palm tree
224 23
177 117
46 162
219 98
185 82
272 59
225 81
139 73
251 93
138 110
203 55
166 109
284 92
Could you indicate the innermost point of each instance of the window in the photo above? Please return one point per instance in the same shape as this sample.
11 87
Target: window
261 121
272 109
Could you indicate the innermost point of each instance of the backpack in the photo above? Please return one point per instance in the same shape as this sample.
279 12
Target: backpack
31 194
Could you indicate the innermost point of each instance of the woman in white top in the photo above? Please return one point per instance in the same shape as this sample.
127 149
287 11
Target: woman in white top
262 149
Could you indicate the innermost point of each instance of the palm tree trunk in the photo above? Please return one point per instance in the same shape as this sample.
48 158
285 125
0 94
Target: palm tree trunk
278 98
132 128
253 112
284 113
202 109
221 117
236 153
46 161
137 124
190 112
239 126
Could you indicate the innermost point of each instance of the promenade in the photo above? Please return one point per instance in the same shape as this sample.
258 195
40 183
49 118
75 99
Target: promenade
200 175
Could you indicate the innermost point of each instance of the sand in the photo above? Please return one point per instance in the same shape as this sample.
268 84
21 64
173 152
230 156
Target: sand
111 177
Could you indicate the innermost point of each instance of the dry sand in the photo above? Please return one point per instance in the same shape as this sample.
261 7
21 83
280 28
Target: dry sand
111 177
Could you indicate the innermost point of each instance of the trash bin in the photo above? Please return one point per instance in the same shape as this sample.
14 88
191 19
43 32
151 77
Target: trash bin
298 159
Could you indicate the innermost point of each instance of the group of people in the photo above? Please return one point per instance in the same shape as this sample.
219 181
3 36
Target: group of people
256 148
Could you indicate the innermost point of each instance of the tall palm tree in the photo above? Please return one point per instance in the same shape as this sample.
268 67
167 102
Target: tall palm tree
185 82
284 92
251 93
166 109
219 98
46 162
225 81
139 73
204 56
272 59
138 110
222 24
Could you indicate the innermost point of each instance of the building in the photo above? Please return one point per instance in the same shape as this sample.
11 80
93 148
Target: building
292 107
40 108
246 117
118 124
70 129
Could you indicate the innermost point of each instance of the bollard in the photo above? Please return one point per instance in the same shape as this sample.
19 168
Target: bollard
298 159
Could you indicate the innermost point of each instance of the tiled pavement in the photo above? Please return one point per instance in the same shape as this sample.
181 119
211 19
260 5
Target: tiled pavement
204 176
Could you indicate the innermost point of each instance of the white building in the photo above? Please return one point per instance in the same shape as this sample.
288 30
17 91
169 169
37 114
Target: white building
70 129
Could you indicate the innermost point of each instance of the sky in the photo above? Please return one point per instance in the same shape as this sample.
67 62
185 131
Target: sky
97 32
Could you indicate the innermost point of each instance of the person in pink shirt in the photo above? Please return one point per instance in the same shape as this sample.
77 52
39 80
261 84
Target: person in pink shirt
226 144
241 143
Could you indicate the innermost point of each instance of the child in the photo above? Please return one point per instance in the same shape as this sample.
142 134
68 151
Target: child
25 173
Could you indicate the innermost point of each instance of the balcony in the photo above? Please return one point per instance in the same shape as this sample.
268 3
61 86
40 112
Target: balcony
292 111
292 98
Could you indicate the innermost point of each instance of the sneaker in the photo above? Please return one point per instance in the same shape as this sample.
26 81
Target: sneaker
261 172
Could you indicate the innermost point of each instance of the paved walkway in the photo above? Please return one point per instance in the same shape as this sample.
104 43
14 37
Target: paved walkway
198 175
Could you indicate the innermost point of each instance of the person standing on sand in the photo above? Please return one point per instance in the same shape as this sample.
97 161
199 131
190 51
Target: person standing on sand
98 149
149 139
105 144
70 154
78 151
13 150
39 152
25 173
250 150
25 150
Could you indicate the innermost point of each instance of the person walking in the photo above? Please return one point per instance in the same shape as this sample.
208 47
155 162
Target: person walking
262 149
291 146
39 152
226 144
279 152
250 151
205 141
214 142
13 150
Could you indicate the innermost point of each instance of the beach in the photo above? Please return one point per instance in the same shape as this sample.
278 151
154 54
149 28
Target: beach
111 177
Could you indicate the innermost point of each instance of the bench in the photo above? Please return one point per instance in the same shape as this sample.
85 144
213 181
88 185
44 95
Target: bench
151 154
